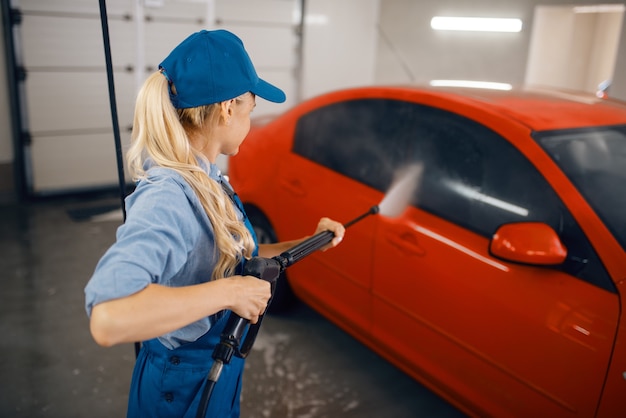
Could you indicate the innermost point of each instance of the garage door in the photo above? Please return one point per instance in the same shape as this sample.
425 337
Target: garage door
68 135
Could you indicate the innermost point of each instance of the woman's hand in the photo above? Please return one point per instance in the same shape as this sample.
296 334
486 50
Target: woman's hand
250 297
327 224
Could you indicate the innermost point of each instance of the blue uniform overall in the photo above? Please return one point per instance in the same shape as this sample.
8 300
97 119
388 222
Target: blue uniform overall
168 239
169 383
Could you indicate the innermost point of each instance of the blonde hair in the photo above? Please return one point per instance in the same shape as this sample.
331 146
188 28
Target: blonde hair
158 133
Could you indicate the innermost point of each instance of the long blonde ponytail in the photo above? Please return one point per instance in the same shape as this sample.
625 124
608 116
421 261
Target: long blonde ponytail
159 135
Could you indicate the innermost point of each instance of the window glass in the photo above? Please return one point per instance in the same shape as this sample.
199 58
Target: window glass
351 138
472 176
594 159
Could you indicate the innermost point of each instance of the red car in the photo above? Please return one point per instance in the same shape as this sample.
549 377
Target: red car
502 287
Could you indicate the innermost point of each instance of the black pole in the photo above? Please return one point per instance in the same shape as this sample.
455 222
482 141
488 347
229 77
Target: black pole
114 120
10 18
116 127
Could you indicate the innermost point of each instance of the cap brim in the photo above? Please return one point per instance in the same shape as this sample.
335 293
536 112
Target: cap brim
269 92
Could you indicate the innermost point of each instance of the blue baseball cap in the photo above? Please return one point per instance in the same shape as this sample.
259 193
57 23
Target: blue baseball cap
211 67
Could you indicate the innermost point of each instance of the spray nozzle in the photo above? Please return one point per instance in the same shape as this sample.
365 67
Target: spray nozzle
372 211
317 241
393 204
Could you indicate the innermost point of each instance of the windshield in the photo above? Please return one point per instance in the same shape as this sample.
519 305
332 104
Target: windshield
595 161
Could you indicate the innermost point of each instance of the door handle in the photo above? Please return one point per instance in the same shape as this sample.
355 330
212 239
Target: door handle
406 242
293 186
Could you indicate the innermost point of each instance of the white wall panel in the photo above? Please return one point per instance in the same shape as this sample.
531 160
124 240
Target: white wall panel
339 45
69 162
190 12
549 49
114 7
62 42
66 91
607 30
82 102
618 88
575 51
162 37
258 11
269 47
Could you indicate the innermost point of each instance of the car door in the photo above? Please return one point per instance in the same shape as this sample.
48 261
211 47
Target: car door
500 338
337 167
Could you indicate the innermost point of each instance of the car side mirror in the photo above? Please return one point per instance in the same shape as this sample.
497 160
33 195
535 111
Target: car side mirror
529 243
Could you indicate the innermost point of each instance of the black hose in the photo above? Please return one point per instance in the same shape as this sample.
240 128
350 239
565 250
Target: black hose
211 380
204 400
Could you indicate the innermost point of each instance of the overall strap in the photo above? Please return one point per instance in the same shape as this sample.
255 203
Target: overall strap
228 189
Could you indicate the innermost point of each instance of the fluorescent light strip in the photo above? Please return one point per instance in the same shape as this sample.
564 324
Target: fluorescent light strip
316 19
471 84
600 8
481 24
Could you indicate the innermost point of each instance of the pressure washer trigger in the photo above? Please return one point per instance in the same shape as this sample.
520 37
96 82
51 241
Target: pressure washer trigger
268 269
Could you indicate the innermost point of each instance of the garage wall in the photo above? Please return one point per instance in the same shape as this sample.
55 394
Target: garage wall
410 51
573 50
618 89
339 45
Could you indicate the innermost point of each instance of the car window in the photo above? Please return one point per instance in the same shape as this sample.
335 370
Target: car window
352 138
472 176
594 159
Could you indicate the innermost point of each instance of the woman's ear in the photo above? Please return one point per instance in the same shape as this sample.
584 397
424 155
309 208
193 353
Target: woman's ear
226 110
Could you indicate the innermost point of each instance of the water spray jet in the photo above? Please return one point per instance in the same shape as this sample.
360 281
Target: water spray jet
396 200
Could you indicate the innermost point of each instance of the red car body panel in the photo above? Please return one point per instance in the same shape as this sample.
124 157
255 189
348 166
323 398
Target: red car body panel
422 291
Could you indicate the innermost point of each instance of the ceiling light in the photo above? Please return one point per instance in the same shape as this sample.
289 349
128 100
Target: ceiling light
482 24
600 8
315 19
471 84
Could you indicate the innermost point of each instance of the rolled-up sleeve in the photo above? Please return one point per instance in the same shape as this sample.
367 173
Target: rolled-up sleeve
151 246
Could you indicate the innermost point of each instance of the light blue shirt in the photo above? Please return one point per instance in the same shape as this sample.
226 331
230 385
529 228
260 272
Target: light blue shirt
167 238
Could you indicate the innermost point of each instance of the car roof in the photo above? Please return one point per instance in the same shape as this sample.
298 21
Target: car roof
539 109
543 109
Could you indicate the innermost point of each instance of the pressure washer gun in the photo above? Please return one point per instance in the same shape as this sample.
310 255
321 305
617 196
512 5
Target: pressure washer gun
268 269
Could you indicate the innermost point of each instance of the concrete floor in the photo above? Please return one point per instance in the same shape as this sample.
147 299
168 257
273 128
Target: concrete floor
301 365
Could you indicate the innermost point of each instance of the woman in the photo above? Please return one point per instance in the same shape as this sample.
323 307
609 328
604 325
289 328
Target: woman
175 267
